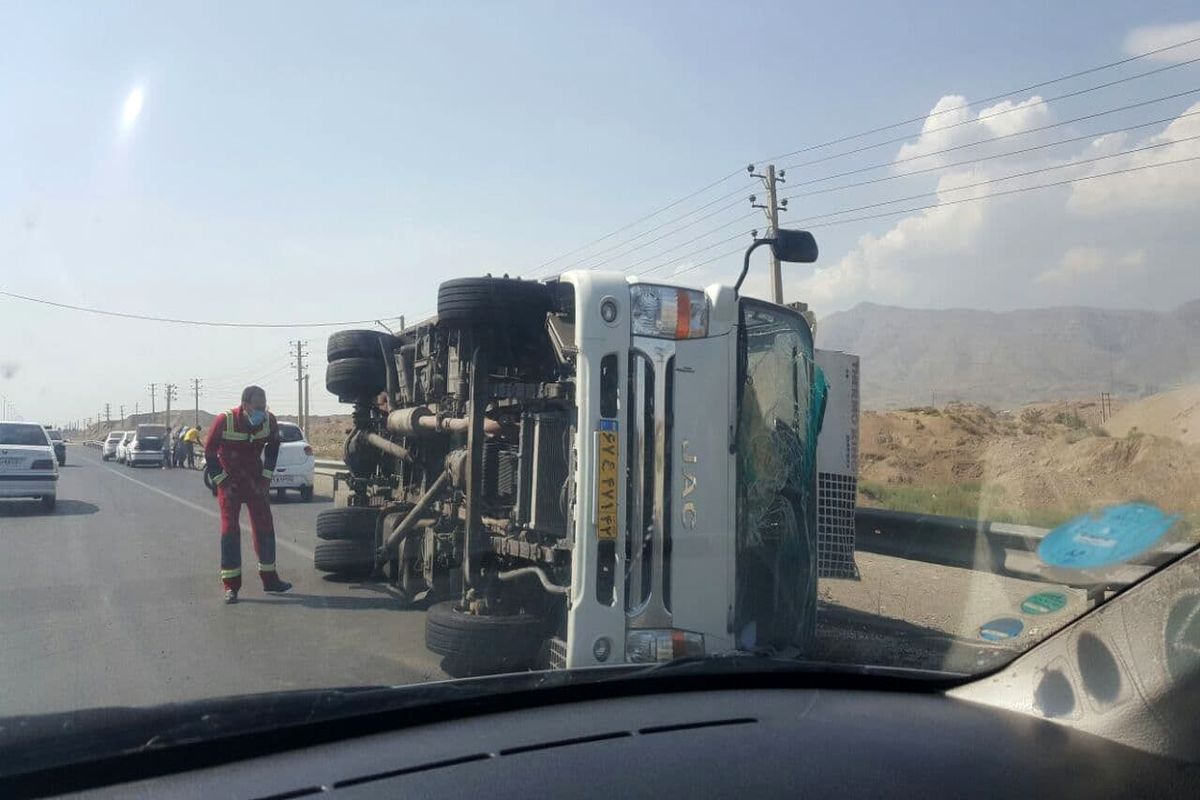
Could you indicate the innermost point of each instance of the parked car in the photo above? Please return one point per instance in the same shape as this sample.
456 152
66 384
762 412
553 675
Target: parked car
295 467
28 467
146 446
108 450
60 446
123 446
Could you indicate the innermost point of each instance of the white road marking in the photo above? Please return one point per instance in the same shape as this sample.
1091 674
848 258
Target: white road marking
279 542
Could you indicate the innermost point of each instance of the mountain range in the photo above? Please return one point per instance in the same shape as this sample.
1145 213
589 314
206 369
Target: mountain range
913 357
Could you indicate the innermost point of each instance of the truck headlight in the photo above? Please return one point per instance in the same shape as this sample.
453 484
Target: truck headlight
659 646
667 312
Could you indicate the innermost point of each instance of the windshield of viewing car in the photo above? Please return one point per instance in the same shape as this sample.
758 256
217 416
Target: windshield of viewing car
15 434
598 335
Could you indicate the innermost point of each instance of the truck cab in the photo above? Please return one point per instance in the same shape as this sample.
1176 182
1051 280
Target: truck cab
591 470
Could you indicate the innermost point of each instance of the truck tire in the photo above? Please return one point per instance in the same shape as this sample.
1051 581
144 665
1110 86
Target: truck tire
476 645
355 378
344 557
358 344
500 302
350 524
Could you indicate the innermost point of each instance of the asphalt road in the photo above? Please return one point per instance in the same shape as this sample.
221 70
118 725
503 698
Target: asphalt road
115 599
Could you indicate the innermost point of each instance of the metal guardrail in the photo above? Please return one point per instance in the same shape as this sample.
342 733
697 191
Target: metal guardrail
996 547
328 466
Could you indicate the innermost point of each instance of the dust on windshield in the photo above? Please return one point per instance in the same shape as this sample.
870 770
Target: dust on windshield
444 362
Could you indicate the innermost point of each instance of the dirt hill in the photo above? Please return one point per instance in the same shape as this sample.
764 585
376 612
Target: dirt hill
1040 465
1174 415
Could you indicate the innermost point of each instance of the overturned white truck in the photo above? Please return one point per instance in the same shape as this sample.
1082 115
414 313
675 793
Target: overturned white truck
588 470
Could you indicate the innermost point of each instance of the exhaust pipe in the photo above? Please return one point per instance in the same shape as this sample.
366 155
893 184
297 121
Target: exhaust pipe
420 421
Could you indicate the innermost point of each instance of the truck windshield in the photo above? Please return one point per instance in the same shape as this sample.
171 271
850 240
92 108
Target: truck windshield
780 407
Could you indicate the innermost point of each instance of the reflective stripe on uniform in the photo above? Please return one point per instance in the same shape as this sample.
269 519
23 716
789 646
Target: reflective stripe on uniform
266 567
231 573
220 476
232 435
268 473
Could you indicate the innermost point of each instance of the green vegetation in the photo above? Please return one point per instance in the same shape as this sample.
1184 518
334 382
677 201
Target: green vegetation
966 500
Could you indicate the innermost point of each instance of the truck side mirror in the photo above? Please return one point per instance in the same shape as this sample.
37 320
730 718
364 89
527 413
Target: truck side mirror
795 246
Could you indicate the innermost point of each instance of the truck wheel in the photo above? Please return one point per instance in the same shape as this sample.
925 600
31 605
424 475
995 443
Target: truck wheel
344 557
502 302
355 378
358 344
476 645
350 524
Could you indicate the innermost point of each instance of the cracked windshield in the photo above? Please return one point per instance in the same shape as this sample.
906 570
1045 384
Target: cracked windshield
379 344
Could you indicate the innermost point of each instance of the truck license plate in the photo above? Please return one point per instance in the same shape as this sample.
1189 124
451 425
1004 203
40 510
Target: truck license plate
606 485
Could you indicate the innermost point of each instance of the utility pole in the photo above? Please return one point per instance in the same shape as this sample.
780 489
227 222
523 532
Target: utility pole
196 395
122 408
153 394
108 414
772 208
300 355
169 393
304 425
136 411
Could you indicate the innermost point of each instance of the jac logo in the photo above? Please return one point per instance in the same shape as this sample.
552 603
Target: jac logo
690 483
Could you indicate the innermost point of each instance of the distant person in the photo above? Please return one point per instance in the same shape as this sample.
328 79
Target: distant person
168 450
189 442
241 450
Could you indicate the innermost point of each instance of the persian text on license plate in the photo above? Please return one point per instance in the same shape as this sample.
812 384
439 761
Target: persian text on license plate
607 452
10 462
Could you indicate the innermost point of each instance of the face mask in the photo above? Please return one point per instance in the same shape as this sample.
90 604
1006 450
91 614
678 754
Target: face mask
257 417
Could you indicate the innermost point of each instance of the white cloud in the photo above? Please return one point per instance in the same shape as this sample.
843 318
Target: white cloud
1156 37
1158 184
949 125
1125 240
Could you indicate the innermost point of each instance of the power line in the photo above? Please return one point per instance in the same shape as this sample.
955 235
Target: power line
1000 193
205 323
660 226
891 126
639 220
990 181
965 162
992 99
899 212
914 158
1002 112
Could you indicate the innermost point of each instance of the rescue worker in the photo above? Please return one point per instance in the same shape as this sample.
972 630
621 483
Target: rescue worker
241 450
189 442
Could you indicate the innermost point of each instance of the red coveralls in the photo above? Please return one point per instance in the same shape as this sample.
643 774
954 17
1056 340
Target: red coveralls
246 457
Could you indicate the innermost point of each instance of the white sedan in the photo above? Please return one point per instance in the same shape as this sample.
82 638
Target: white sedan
28 466
295 467
110 445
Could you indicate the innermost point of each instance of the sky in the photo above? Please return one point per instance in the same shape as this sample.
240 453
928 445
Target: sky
309 162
